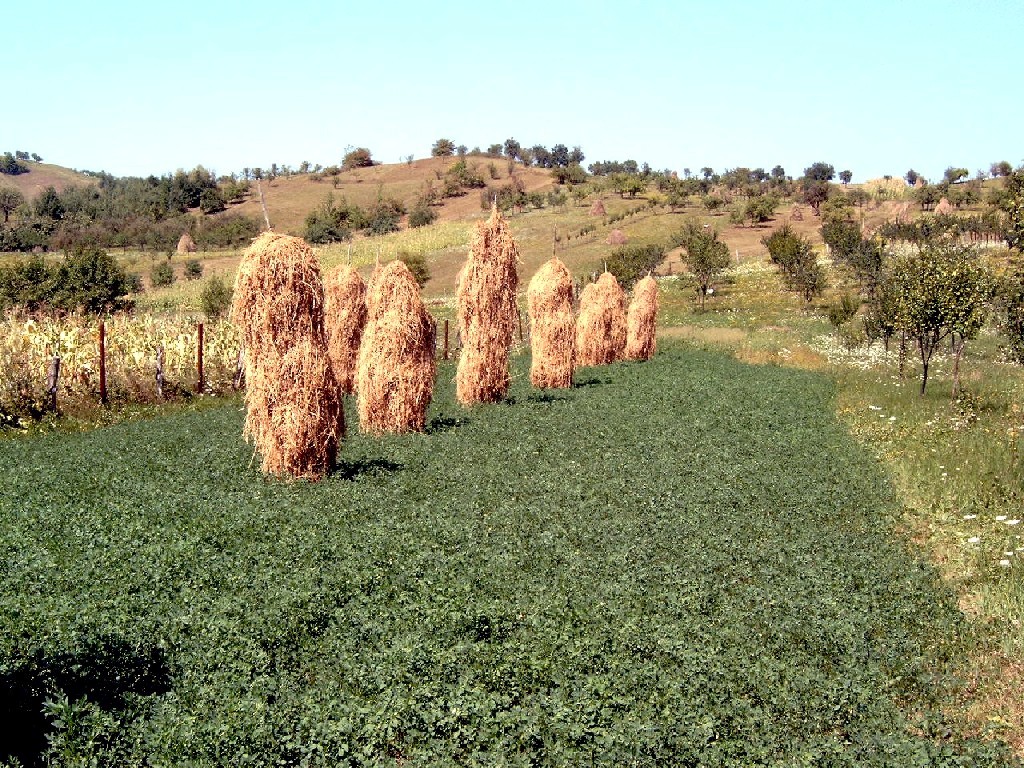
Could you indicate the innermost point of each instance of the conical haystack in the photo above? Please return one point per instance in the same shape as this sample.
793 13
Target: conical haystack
293 408
601 326
597 209
641 320
552 326
486 312
396 371
617 237
186 244
345 317
944 208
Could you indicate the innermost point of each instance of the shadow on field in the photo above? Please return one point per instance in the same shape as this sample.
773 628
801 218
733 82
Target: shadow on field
593 381
353 469
546 396
440 424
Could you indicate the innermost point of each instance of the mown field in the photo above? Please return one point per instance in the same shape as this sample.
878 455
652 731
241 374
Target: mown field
684 562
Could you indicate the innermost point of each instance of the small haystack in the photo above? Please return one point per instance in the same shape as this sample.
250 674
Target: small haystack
486 311
396 370
601 326
293 408
186 244
617 237
597 209
642 320
345 316
944 208
552 326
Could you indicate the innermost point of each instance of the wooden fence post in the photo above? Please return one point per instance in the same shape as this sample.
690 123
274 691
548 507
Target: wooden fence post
52 379
446 348
160 371
103 363
239 369
519 314
199 386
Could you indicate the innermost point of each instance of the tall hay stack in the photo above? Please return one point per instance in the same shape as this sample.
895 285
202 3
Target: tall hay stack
345 317
186 244
552 326
601 326
487 313
396 370
293 408
642 320
597 209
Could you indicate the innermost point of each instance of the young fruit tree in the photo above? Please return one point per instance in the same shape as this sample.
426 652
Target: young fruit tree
706 255
797 261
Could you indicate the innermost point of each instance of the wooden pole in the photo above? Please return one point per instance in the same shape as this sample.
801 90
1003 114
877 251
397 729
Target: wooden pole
52 379
103 364
199 356
160 371
239 369
519 314
446 348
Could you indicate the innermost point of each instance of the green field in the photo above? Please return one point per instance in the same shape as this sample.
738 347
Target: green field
684 562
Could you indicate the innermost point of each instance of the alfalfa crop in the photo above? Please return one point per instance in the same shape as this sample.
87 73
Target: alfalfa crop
642 320
396 370
344 319
487 313
601 325
293 408
552 326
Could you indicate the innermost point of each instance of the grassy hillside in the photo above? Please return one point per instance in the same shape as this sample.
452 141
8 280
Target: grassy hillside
675 563
43 175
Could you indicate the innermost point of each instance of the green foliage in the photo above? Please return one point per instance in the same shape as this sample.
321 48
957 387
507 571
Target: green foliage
569 174
10 200
523 587
1012 204
820 172
215 298
841 235
629 263
761 208
706 255
383 216
422 215
417 264
797 261
843 310
10 165
87 280
360 157
211 201
27 284
333 221
162 274
846 176
459 177
940 292
193 269
443 148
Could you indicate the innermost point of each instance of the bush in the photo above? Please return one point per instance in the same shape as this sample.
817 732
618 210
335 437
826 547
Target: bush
843 310
162 274
332 222
417 264
422 215
359 157
632 262
215 298
193 269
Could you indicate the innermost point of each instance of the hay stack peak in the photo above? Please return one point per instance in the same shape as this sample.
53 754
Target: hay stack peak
345 317
186 244
944 208
597 209
601 326
486 312
396 370
617 237
642 320
552 326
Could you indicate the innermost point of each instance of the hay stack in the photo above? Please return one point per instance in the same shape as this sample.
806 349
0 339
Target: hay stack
486 312
601 326
186 244
642 320
396 370
293 409
345 316
552 326
944 208
617 237
597 209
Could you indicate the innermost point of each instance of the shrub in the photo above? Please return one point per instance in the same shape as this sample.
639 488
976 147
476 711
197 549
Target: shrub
162 274
193 269
422 215
359 157
417 264
215 298
843 310
631 262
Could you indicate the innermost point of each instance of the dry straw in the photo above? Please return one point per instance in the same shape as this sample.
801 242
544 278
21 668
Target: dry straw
487 314
617 237
186 244
293 411
597 209
552 326
345 317
396 370
642 320
601 326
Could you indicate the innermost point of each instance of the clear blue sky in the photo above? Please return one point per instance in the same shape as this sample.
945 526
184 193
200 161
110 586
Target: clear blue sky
875 86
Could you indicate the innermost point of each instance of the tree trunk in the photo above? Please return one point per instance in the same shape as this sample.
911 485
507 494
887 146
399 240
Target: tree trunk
958 349
903 355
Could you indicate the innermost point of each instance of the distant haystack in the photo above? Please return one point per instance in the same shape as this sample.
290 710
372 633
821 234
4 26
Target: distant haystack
597 209
186 244
617 237
902 212
944 208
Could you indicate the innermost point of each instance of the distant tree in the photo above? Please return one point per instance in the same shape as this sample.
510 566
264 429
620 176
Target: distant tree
706 255
841 235
846 177
576 156
512 149
560 155
10 165
304 166
820 172
707 172
570 174
797 262
954 175
162 274
48 205
1002 168
331 221
461 150
942 292
211 200
37 158
360 157
494 150
11 199
815 193
443 148
193 269
1012 204
541 156
778 173
421 215
911 177
20 155
761 208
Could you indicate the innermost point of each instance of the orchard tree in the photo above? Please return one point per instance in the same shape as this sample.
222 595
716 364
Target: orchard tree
820 172
941 292
955 175
912 177
1002 168
10 200
443 148
706 255
513 149
360 157
1012 203
846 177
796 260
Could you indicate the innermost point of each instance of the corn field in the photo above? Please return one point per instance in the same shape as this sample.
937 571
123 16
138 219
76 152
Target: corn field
28 345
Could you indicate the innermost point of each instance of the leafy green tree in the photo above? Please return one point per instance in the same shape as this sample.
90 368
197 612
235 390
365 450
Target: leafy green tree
706 255
797 262
421 215
941 292
10 165
815 193
820 172
417 264
911 177
846 177
841 235
162 274
778 173
331 222
215 297
443 148
211 201
360 157
10 200
26 284
1002 168
37 158
513 149
1012 204
761 208
91 280
48 205
193 269
954 175
629 263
